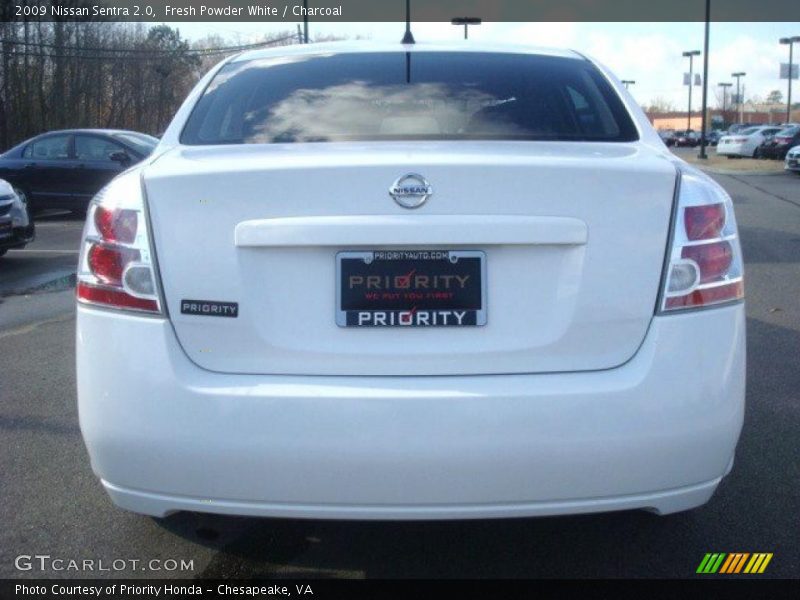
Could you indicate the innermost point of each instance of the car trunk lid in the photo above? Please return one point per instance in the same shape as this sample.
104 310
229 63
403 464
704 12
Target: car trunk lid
573 236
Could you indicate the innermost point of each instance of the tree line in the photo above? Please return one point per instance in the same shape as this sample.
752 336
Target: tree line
56 75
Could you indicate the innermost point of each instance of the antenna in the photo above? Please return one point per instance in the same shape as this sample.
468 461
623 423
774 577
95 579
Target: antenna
408 38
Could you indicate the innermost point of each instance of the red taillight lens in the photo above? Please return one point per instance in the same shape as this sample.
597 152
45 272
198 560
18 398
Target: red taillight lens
108 262
116 267
112 297
704 222
704 259
723 293
116 224
714 259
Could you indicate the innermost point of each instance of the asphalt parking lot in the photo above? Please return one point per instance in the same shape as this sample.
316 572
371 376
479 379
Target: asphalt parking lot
50 503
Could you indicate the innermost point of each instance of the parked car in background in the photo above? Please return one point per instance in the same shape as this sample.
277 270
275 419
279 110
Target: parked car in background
667 136
65 169
321 209
16 222
713 137
736 128
688 138
746 142
793 160
779 144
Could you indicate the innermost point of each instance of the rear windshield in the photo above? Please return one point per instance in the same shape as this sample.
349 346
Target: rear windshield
142 143
408 96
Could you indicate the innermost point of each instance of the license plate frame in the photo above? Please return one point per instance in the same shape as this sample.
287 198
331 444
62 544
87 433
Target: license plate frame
460 312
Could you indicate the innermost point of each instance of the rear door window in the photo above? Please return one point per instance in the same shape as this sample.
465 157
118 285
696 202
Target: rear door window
89 147
408 96
55 147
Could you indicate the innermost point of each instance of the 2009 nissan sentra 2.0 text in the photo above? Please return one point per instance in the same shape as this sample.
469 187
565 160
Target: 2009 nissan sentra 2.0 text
418 281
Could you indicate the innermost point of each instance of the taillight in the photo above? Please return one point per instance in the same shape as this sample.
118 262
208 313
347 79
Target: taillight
116 266
705 259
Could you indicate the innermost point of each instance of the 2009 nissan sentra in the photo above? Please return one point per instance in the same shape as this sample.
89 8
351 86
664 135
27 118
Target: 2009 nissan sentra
410 282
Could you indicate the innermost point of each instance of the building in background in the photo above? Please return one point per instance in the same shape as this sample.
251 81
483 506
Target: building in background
755 114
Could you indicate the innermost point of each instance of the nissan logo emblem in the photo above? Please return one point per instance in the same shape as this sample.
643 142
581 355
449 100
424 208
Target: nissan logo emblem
411 190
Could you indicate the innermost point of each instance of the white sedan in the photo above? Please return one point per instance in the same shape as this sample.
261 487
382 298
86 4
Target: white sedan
410 282
793 160
745 143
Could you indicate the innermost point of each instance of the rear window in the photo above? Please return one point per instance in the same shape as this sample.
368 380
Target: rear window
408 96
143 144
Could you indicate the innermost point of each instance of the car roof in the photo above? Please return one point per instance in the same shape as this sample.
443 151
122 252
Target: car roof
86 130
360 46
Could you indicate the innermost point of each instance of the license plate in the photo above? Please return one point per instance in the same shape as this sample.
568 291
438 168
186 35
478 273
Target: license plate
411 288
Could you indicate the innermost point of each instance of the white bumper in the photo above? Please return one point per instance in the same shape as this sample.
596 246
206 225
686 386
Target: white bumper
731 149
658 432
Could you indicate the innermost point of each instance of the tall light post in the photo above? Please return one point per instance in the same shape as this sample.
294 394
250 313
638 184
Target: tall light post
628 82
790 42
704 109
466 22
408 37
305 21
739 98
690 54
724 87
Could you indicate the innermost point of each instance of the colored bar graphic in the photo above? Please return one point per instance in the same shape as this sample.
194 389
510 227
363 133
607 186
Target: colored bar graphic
758 563
722 563
734 563
710 563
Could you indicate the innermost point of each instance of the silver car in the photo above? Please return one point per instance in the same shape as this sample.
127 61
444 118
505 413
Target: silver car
16 223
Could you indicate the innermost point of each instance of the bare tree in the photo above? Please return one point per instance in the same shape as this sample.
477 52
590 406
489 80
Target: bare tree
660 104
65 74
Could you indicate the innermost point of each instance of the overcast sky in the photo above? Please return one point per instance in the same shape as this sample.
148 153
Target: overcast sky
649 53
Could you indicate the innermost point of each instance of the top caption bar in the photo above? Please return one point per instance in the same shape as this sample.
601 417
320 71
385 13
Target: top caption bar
395 10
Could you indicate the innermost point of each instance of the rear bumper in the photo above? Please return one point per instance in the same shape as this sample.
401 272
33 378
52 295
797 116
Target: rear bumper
730 149
657 433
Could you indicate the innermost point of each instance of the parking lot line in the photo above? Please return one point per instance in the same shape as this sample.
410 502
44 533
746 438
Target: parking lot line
45 251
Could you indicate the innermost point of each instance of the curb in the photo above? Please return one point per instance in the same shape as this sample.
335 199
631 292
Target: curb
735 172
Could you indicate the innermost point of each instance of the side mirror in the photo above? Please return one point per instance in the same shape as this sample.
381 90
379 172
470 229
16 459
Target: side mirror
120 156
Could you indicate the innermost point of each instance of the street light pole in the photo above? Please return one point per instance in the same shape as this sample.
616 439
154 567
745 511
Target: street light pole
704 110
790 41
724 87
466 22
408 37
691 54
305 21
739 98
628 82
